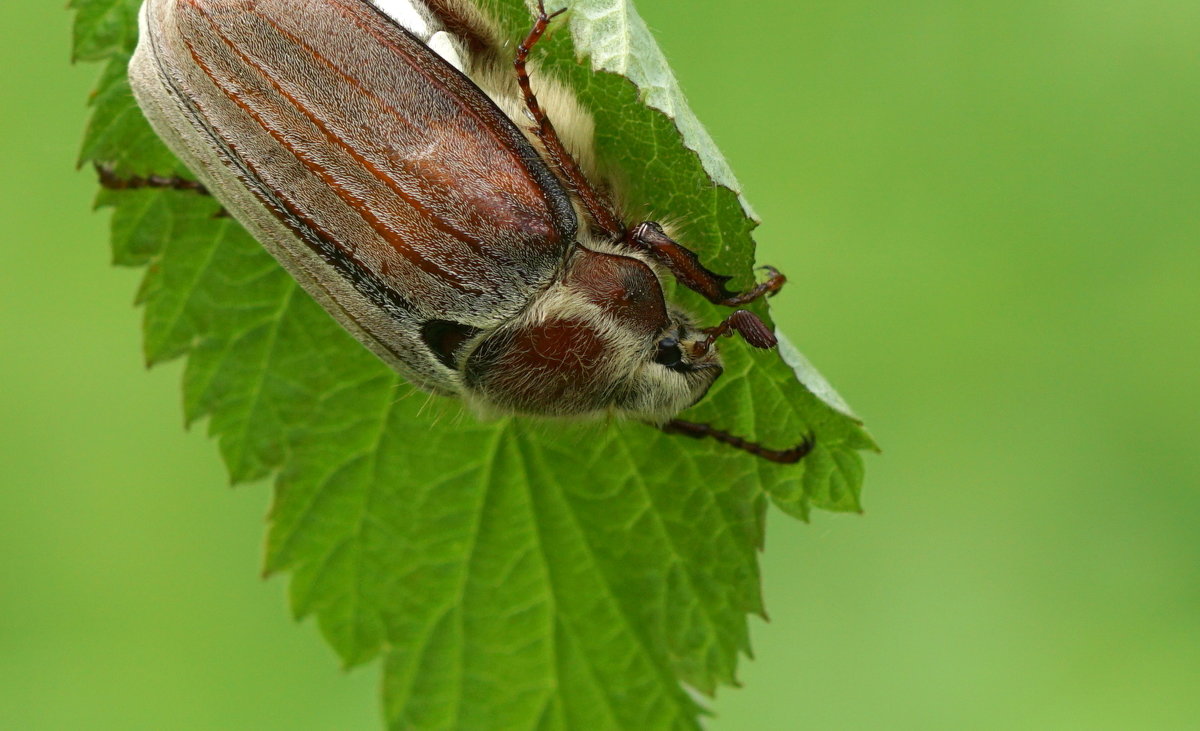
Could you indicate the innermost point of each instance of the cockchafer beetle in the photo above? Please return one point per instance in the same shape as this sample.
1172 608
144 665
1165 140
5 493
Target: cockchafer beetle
382 152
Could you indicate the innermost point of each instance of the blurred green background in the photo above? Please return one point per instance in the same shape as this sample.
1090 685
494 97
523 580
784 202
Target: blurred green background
990 213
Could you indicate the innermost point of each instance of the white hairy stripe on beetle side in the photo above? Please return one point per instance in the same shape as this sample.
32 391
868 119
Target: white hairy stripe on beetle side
412 16
442 43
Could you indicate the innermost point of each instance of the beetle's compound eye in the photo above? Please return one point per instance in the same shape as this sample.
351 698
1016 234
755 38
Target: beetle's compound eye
670 355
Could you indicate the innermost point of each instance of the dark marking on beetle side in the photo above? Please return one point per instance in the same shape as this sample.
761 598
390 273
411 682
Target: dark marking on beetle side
444 338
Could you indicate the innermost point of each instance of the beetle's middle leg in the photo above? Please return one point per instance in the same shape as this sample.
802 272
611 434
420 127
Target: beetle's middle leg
743 322
649 238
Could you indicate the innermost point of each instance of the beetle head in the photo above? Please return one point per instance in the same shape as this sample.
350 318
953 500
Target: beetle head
602 340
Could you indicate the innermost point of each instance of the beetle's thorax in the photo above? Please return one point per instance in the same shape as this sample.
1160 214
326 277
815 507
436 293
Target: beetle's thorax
585 347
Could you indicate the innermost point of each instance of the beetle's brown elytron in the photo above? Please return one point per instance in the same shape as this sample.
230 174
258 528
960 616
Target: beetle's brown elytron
383 152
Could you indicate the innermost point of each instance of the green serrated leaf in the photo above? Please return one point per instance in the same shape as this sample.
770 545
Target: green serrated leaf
511 573
104 28
117 134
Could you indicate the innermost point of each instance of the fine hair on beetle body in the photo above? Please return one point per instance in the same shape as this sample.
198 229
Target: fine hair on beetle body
442 200
618 378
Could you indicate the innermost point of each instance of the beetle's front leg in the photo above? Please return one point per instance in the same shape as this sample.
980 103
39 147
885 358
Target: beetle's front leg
743 322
